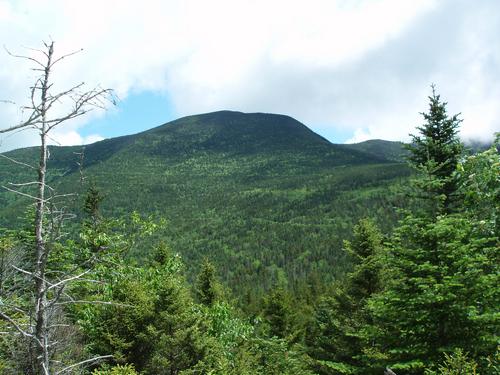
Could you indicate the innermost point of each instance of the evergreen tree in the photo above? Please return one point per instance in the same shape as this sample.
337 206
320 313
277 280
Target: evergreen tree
440 295
208 288
336 338
94 228
437 149
92 203
275 356
364 249
441 289
152 322
456 363
278 313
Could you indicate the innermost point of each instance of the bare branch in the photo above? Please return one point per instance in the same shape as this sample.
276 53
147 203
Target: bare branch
68 279
53 139
89 99
15 127
32 96
36 50
22 271
64 56
87 302
53 99
59 325
30 184
16 161
15 325
93 281
92 98
15 308
95 359
80 164
24 57
58 295
60 196
23 194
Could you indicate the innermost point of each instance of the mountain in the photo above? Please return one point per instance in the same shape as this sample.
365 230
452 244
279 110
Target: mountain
267 199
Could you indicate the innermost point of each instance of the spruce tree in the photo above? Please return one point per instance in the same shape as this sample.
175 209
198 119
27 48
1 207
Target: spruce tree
364 249
278 313
442 282
208 288
337 336
436 151
152 321
440 295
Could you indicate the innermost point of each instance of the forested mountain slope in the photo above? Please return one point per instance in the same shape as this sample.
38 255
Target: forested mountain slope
264 197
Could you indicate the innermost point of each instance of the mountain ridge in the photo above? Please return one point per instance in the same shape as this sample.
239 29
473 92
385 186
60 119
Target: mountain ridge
114 143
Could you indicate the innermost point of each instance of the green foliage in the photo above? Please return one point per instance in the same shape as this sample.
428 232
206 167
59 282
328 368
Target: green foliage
328 338
365 250
438 140
228 335
435 296
335 367
492 366
275 357
336 337
479 183
225 325
437 149
277 313
151 322
92 202
441 289
394 151
456 363
15 251
117 370
208 289
154 324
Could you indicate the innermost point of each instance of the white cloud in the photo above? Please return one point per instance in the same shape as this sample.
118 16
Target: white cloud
72 138
92 139
362 66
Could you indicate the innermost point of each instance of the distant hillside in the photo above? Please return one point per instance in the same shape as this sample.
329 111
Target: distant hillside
260 194
387 150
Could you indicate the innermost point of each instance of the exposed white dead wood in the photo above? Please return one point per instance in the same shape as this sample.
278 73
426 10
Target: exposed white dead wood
49 290
91 360
17 162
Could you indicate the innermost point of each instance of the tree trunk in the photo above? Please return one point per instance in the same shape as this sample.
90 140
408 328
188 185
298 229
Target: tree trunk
42 364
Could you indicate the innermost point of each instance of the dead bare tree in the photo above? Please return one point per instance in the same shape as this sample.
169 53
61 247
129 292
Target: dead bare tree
49 290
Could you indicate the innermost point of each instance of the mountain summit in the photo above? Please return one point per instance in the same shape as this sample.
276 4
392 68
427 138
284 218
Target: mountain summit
235 135
240 132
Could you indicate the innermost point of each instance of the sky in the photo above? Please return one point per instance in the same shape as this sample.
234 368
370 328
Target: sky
351 70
